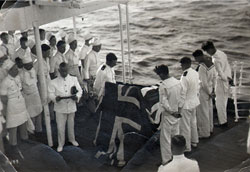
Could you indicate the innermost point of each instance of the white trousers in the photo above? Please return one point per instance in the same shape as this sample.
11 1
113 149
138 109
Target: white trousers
204 116
168 130
61 119
221 99
188 127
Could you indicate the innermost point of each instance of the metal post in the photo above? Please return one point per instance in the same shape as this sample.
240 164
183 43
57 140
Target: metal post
122 46
43 84
235 92
74 26
128 40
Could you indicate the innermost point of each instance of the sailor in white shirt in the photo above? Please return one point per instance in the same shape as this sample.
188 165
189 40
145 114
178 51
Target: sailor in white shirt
42 37
86 47
207 77
179 163
92 63
222 85
190 85
52 43
73 59
104 74
6 47
170 103
2 121
24 51
11 96
65 91
30 42
57 59
31 94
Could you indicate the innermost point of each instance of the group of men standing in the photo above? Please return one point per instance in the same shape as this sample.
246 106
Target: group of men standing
65 71
187 107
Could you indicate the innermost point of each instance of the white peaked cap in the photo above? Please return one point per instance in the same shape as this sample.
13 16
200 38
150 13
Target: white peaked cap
95 42
62 33
71 38
87 35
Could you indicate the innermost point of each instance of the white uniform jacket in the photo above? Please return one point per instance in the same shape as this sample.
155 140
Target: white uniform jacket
62 87
222 66
8 49
180 164
91 64
170 98
190 84
84 51
104 74
23 53
55 61
16 109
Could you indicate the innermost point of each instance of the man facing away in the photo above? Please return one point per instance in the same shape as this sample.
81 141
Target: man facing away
204 111
170 102
222 83
179 163
190 85
104 74
65 91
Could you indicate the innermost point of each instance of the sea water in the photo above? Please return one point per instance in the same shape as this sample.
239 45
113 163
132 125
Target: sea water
163 31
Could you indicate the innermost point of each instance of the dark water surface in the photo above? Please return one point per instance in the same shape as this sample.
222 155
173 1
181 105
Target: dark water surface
163 31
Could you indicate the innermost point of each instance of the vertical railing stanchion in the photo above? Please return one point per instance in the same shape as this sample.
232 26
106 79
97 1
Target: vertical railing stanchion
128 41
122 45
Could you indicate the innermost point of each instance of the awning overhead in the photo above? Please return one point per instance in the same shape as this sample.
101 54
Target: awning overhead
44 12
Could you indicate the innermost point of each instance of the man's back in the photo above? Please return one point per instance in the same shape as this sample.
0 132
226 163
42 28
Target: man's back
180 164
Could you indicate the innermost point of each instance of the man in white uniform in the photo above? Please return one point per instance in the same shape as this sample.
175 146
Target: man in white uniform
207 77
12 97
65 91
92 63
179 163
24 51
222 85
56 60
104 74
2 121
31 94
42 37
73 59
6 47
190 85
85 48
170 104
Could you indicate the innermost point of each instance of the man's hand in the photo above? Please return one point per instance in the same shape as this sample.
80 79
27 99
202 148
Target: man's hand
74 98
58 98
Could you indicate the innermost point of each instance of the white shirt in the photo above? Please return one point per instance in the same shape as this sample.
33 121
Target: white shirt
24 54
8 49
62 87
180 164
55 61
190 84
29 80
170 97
207 77
104 74
91 64
72 58
222 66
84 51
